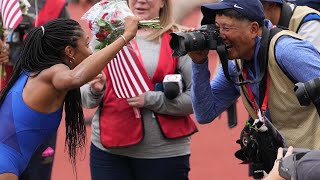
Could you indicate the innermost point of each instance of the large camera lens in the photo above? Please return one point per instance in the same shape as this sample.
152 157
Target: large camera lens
203 39
182 43
308 92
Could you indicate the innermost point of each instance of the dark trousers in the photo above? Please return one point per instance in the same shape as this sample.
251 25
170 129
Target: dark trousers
104 166
40 167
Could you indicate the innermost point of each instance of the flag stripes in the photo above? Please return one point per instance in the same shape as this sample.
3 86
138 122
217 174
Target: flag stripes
125 73
11 13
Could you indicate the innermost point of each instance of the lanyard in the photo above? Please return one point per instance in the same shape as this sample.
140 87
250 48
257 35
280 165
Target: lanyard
251 96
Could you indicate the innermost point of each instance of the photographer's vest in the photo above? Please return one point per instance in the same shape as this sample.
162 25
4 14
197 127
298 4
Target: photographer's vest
300 125
119 125
293 19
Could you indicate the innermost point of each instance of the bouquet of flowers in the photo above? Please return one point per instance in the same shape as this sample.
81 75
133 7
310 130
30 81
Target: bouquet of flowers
106 21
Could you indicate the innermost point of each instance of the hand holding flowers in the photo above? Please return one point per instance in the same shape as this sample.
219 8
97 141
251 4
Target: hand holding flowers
106 21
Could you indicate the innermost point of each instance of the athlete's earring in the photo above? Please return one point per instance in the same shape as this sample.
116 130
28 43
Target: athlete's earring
73 59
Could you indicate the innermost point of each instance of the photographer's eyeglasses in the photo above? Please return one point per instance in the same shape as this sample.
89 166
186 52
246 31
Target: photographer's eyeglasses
224 29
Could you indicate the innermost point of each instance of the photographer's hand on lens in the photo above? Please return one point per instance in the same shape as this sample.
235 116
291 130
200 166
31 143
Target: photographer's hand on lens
274 173
199 57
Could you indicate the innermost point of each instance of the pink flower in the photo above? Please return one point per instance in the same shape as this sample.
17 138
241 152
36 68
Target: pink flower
104 15
90 25
102 2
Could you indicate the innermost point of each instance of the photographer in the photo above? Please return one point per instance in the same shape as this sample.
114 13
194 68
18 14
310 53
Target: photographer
243 30
302 20
296 166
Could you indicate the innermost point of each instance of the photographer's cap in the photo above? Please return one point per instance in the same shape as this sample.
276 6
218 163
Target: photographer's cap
251 9
275 1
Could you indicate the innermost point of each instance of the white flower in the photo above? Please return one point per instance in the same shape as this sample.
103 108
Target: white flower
95 28
25 2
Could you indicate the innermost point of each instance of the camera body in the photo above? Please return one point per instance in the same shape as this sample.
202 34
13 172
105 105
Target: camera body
308 92
205 38
259 142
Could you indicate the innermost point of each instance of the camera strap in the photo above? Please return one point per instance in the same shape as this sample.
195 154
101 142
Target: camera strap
286 14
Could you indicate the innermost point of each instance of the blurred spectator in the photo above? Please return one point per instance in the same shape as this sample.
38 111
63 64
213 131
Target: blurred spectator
302 20
315 4
181 8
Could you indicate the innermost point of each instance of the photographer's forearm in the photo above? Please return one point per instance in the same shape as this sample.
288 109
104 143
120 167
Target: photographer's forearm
210 98
200 90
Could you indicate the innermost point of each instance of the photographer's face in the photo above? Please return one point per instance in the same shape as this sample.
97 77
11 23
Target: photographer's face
239 36
146 9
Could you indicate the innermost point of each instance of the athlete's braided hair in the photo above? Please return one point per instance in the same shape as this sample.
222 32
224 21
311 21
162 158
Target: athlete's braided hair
43 48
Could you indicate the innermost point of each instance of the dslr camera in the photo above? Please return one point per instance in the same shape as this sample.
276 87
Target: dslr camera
205 38
308 92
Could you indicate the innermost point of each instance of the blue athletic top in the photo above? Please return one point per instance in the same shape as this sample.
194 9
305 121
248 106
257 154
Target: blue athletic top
22 129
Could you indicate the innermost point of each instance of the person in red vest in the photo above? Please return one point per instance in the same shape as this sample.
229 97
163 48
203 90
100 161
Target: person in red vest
40 166
147 136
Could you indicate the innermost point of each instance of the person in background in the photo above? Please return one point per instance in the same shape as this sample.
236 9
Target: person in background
181 9
4 60
155 142
55 61
274 173
243 29
302 20
301 165
315 4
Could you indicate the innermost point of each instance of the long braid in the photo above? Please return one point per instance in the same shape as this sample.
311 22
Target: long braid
40 51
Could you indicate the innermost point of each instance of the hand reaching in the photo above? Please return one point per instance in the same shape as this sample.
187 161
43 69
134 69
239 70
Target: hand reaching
98 83
274 173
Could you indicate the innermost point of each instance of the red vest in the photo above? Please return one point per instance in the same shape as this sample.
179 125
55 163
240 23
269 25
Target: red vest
120 127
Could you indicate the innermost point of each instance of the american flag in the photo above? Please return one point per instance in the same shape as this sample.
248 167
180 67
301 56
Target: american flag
11 13
128 77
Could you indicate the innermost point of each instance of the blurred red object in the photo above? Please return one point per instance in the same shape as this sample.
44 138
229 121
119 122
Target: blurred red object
4 80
